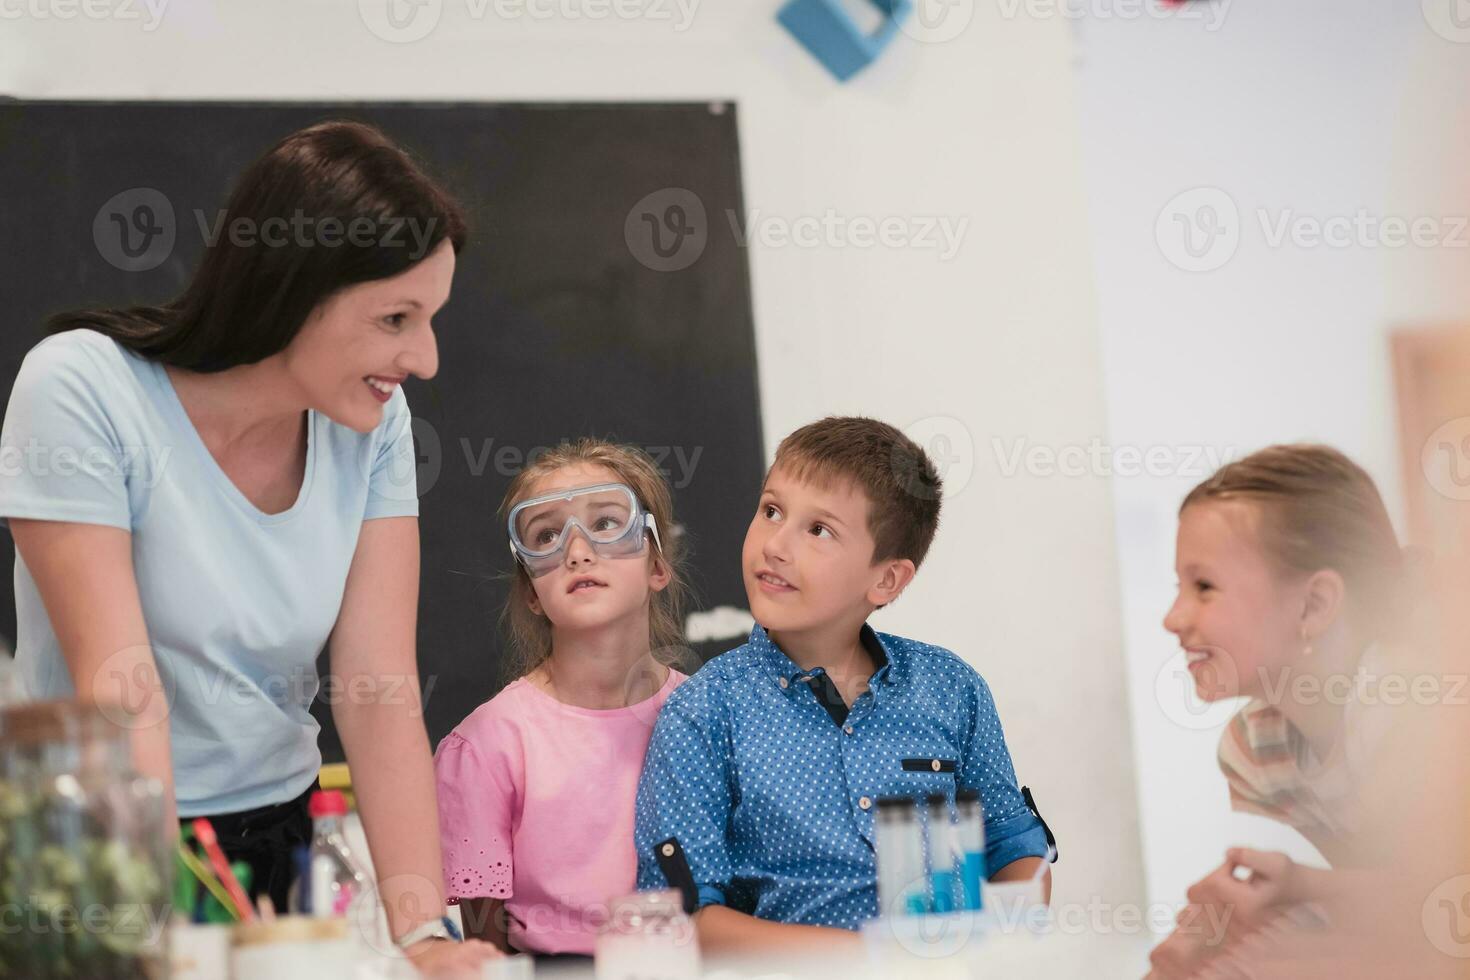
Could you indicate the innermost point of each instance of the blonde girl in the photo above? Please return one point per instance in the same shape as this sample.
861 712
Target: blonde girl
536 787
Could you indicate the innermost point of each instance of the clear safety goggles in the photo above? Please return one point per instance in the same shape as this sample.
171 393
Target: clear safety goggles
608 515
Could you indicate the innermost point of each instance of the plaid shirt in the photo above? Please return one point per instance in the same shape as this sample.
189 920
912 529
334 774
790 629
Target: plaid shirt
1274 772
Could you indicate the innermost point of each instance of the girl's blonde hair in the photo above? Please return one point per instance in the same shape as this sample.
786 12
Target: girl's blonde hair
1320 510
530 633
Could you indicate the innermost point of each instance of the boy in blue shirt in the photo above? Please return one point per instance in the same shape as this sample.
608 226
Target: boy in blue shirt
762 779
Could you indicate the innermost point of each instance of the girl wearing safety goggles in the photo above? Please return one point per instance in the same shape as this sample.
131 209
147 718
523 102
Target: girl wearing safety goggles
537 785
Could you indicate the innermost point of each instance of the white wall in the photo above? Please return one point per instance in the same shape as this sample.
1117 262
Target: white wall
999 342
1320 108
1428 174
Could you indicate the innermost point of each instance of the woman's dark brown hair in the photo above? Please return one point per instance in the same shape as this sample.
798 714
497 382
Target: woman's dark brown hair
251 294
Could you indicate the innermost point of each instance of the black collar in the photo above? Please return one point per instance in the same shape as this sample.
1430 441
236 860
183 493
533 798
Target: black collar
826 692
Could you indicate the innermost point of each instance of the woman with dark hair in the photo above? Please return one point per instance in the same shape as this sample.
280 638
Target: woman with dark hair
210 492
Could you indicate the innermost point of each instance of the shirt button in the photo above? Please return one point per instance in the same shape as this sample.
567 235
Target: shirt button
784 683
934 765
865 803
848 729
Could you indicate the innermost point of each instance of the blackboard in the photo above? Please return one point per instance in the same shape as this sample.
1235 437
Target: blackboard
568 317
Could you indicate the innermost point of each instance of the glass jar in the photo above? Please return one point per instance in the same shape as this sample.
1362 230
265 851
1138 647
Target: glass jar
84 852
647 935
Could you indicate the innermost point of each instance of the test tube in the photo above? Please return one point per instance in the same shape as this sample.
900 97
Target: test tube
941 854
900 854
971 835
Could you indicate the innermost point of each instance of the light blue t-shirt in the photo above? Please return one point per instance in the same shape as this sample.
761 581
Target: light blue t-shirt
238 603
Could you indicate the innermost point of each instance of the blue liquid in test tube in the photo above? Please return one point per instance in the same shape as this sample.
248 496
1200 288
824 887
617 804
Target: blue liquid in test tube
971 834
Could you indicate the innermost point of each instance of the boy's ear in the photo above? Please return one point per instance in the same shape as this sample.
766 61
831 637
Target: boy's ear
897 574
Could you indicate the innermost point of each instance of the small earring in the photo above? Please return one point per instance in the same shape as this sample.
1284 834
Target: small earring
1306 646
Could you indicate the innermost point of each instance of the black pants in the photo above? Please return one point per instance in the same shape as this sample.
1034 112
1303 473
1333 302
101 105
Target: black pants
266 839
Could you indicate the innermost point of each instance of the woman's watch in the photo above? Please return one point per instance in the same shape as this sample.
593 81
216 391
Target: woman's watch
441 928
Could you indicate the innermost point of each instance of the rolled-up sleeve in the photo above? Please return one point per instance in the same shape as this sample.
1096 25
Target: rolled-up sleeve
684 792
1012 831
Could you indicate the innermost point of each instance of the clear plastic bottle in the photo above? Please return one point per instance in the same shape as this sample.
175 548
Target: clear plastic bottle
333 881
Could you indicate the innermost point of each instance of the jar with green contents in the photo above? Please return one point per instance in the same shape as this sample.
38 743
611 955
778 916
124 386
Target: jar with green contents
84 852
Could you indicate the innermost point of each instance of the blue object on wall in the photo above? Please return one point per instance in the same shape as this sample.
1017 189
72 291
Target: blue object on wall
829 33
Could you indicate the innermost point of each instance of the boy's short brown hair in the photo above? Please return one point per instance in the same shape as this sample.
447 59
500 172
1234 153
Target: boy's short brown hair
896 475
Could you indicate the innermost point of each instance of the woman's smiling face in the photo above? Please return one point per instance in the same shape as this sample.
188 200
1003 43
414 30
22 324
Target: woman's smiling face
360 344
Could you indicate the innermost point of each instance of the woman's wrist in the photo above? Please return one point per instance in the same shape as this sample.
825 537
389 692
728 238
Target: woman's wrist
442 928
415 950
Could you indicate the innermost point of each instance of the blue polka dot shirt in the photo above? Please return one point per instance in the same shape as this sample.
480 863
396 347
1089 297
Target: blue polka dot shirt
773 799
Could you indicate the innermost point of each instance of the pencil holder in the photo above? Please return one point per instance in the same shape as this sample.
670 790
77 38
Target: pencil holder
294 948
199 951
